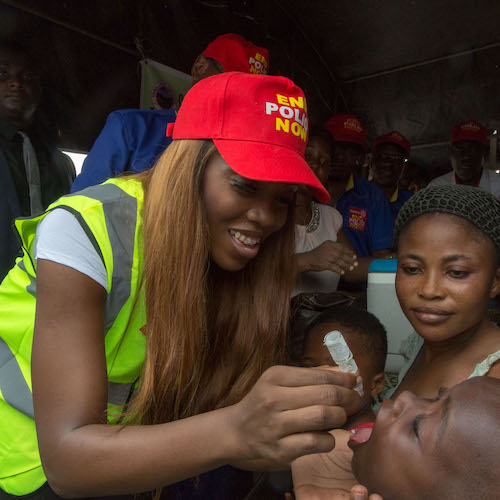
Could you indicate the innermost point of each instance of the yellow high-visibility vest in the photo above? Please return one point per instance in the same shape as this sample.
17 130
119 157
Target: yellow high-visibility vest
111 216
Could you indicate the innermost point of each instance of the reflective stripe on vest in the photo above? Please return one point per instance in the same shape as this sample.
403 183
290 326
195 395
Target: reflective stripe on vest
121 238
14 389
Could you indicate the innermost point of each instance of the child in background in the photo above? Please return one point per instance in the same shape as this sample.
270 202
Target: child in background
367 340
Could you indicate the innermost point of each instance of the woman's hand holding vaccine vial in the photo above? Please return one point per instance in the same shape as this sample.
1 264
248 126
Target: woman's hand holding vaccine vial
342 355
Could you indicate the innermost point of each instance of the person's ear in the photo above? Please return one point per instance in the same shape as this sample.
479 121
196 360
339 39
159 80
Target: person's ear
495 286
378 383
200 68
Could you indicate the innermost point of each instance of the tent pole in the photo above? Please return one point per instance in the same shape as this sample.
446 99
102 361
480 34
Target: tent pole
421 63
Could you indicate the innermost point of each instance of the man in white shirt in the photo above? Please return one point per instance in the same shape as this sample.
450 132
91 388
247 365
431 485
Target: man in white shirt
468 150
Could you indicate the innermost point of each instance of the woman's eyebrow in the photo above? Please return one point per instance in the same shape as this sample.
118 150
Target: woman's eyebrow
454 257
411 256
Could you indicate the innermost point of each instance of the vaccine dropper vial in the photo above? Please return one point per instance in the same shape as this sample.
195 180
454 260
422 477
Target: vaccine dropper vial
342 355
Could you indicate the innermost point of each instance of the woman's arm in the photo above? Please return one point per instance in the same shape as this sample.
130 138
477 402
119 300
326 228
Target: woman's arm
279 420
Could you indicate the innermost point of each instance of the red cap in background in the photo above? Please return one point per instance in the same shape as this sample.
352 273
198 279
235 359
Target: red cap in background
237 54
469 131
393 137
346 128
259 125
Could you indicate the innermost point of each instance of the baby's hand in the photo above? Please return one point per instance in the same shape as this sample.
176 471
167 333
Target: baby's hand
308 492
359 492
328 471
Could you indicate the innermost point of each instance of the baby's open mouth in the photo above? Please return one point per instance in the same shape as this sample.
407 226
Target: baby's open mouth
362 435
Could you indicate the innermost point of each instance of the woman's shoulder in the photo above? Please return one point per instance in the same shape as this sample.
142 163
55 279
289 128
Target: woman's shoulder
490 364
330 215
329 211
115 204
115 190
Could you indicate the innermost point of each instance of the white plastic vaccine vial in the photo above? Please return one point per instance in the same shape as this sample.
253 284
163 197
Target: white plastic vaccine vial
342 355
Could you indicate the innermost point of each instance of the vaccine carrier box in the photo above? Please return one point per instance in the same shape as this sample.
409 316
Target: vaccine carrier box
383 303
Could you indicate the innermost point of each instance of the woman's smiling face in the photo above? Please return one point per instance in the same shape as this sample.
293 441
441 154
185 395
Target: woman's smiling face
420 446
447 272
241 213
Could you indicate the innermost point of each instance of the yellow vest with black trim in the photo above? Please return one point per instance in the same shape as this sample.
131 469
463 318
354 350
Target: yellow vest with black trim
111 216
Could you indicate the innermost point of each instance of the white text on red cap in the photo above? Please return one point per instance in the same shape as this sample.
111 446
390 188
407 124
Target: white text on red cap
258 64
292 108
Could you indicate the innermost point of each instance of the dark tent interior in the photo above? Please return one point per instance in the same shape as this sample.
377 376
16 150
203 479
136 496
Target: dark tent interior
414 65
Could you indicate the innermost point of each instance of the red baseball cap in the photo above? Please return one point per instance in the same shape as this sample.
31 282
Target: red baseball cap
346 128
258 123
469 131
237 54
393 137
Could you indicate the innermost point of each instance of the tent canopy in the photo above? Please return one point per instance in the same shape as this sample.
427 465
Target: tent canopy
417 66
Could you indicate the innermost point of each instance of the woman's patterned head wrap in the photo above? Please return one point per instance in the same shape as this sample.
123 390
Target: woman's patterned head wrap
479 208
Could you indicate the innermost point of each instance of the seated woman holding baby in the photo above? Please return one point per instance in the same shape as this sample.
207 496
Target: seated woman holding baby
448 248
448 242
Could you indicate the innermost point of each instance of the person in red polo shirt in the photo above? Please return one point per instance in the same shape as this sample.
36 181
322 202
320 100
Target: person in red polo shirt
468 149
390 155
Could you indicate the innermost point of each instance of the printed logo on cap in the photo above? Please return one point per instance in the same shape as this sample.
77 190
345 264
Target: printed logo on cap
470 127
397 136
291 115
258 64
354 125
357 218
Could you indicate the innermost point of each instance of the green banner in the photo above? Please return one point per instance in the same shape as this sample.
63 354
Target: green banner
162 87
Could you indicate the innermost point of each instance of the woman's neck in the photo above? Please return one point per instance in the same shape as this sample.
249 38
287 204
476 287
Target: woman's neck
303 211
456 344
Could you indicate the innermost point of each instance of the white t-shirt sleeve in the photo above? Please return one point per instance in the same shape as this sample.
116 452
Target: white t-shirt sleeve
331 222
60 238
338 221
443 180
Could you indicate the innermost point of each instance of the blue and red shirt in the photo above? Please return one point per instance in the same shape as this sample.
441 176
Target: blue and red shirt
398 199
368 220
132 140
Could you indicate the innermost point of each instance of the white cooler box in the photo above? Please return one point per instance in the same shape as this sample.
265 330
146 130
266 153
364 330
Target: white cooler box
383 303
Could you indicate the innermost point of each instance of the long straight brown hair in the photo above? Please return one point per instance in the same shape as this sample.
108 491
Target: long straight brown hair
210 333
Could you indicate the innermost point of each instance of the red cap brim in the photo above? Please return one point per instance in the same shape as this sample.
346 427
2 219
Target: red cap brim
267 162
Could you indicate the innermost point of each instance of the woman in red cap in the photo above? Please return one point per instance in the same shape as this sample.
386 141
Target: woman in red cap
161 307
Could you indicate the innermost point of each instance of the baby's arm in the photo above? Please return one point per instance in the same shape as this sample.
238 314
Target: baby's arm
325 473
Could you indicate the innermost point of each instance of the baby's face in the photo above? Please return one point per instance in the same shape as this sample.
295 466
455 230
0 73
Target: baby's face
416 444
316 354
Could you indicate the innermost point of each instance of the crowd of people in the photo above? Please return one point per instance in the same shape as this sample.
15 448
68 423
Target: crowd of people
145 306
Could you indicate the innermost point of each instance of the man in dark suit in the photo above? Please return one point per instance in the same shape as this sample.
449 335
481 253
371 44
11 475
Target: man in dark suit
33 172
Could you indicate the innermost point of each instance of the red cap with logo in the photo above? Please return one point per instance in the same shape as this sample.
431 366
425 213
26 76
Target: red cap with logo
237 54
469 131
259 125
393 137
346 128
